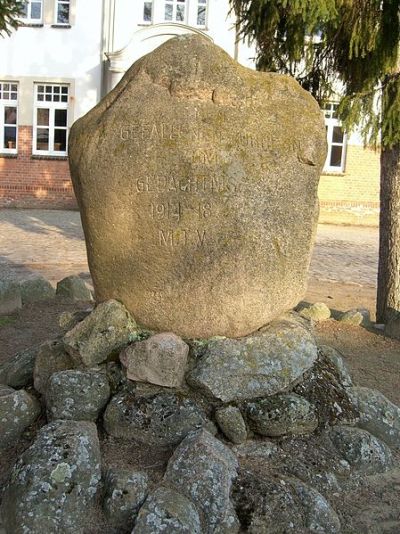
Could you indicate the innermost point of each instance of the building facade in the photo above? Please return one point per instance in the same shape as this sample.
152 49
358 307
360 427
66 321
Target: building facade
68 53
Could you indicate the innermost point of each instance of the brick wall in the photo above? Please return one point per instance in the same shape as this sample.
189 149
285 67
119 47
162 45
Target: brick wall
352 197
28 181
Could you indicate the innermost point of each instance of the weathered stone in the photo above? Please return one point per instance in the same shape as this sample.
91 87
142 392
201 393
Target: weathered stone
262 364
352 317
262 450
162 419
50 359
77 395
316 312
53 485
108 329
190 202
336 359
282 415
10 297
115 376
203 469
73 288
18 410
231 422
67 320
392 328
362 450
161 359
378 415
17 371
166 510
125 492
36 289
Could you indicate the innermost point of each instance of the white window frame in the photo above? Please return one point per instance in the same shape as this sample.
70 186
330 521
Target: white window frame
57 5
28 18
52 106
331 122
201 3
151 2
175 4
8 102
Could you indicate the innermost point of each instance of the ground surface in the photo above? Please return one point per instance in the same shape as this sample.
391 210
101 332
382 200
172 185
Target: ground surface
343 274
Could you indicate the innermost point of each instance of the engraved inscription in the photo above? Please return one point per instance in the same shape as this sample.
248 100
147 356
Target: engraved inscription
194 184
174 238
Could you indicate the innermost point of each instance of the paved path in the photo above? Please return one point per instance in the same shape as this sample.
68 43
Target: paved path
51 242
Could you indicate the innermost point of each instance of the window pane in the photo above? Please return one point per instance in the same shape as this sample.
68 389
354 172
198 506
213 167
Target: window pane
48 89
336 156
64 98
201 16
43 117
48 98
10 115
180 13
10 137
63 14
337 136
36 10
40 98
6 87
60 140
42 139
168 12
40 88
147 11
64 90
14 96
60 118
56 89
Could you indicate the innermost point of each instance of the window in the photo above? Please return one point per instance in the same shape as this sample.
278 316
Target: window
8 117
175 10
32 11
148 12
335 158
62 11
50 120
201 12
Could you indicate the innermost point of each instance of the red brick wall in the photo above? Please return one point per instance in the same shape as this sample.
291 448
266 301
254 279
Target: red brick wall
28 181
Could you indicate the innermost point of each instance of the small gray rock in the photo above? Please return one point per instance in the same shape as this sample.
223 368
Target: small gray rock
231 422
282 415
261 364
50 359
263 450
54 483
161 419
36 289
125 492
18 410
336 359
74 288
77 395
316 312
10 297
161 359
104 332
67 320
166 510
17 371
203 469
378 415
362 450
352 317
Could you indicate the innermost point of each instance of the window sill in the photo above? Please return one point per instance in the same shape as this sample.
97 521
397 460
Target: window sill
8 155
51 157
30 25
62 26
333 173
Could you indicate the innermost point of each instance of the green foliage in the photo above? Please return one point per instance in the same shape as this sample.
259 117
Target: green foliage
355 43
9 13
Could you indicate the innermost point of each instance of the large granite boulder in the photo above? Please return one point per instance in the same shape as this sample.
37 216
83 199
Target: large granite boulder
200 210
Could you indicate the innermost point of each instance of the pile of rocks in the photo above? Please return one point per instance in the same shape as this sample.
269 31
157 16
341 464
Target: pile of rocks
251 425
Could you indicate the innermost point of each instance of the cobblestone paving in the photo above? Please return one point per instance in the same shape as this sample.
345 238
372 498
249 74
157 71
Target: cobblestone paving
51 243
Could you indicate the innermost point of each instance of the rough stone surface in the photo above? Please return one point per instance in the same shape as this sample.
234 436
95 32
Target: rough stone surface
378 415
54 483
166 510
162 419
336 359
262 450
353 317
231 422
105 331
188 213
35 289
17 371
392 328
10 297
362 450
203 469
125 492
316 312
50 359
160 359
67 320
74 288
282 415
262 364
77 395
18 410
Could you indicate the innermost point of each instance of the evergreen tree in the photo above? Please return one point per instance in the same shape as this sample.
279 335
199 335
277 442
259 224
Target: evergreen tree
355 43
9 12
